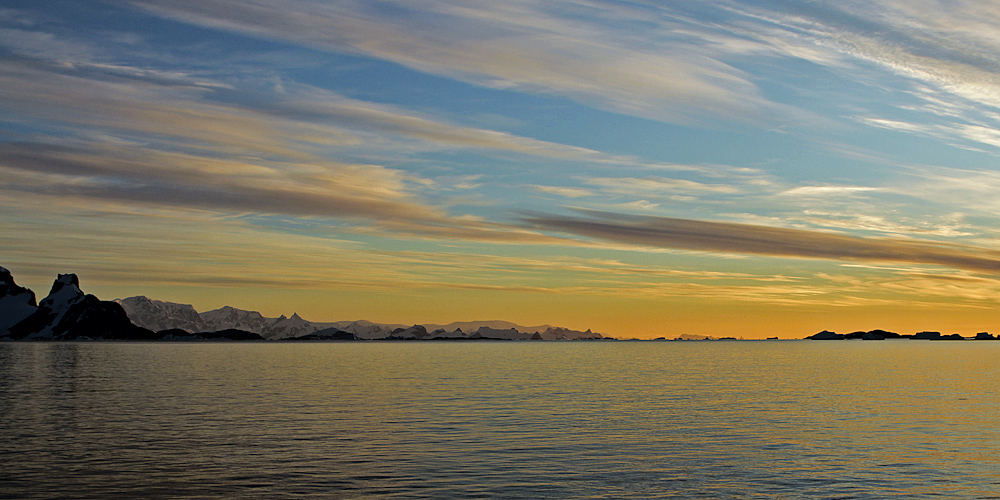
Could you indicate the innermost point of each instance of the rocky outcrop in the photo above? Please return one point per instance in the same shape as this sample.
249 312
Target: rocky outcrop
872 335
442 334
485 332
366 329
326 334
953 336
230 334
557 333
415 332
16 302
826 335
885 334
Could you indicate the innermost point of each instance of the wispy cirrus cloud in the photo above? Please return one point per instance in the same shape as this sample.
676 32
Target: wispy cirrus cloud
728 237
567 192
813 191
950 227
176 106
375 198
941 58
659 185
181 180
963 189
128 135
538 47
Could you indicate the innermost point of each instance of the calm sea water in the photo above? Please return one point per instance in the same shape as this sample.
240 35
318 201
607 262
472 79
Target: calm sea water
910 419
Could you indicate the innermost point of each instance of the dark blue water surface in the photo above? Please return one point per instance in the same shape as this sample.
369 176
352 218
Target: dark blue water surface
531 420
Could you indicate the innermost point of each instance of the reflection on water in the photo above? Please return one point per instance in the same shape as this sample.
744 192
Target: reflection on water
500 420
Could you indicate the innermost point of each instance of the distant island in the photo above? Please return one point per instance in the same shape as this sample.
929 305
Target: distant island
883 334
67 313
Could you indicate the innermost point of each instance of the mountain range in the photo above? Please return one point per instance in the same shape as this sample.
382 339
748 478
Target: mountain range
158 315
67 313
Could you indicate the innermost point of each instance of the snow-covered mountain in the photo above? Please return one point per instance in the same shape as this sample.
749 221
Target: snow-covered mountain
64 295
231 317
16 302
158 315
67 314
282 327
366 329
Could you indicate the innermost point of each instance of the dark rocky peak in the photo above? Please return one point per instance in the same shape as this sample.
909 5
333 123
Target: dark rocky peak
827 335
413 332
65 291
5 277
64 280
9 288
16 302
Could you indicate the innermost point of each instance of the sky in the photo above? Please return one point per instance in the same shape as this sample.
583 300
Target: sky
642 169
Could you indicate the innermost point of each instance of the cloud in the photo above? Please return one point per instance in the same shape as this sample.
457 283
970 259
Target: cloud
170 245
943 54
968 190
659 185
529 46
810 191
727 237
311 104
567 192
949 227
958 134
127 135
224 118
134 136
41 45
376 196
638 205
173 179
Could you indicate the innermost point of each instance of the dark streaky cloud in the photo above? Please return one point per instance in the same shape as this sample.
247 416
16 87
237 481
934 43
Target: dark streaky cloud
729 237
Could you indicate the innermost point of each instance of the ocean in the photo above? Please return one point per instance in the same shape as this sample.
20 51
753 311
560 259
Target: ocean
500 420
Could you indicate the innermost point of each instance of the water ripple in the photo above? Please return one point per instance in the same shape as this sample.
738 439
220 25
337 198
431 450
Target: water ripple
511 420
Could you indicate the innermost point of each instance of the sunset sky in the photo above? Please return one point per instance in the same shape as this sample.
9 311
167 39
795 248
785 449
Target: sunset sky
639 168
